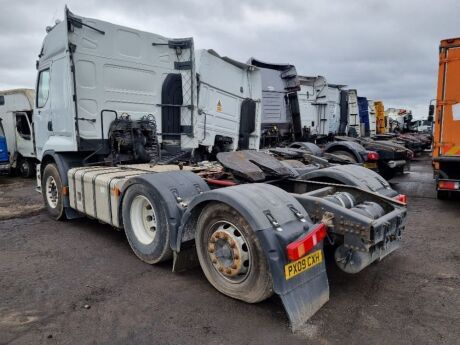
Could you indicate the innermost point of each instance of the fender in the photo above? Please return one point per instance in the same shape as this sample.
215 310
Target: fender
63 162
312 148
177 189
357 149
353 175
278 219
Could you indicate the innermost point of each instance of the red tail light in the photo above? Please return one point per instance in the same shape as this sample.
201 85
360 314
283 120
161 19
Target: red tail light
225 183
401 198
297 249
451 185
372 156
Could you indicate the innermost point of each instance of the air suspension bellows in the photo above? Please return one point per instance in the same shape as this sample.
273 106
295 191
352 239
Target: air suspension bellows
342 198
369 209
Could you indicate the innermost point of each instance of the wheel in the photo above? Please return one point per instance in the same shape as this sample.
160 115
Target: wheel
52 192
26 169
146 224
386 172
230 254
442 194
347 154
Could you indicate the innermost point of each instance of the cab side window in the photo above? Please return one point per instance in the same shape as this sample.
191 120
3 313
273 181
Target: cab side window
43 88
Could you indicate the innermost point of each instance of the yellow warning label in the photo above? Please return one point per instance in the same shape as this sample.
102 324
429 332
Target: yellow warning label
219 106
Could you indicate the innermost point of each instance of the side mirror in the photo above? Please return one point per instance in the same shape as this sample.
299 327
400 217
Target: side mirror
431 110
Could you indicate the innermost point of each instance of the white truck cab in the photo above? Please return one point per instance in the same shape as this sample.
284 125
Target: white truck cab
91 73
16 107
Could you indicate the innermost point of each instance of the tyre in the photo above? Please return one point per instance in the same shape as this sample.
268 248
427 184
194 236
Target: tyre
25 167
347 154
146 224
230 254
442 194
386 172
52 192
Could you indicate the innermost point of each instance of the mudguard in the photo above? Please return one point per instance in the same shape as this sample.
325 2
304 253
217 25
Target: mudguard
353 175
278 219
177 188
310 147
357 149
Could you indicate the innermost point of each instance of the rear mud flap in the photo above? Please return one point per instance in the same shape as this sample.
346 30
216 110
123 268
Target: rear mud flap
305 292
305 300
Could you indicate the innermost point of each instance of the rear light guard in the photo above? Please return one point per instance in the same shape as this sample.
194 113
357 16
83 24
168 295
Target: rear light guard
299 248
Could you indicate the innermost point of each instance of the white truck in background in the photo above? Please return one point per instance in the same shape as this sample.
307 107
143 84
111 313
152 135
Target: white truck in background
16 108
372 118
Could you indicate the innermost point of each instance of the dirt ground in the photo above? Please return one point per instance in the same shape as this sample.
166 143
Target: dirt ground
77 282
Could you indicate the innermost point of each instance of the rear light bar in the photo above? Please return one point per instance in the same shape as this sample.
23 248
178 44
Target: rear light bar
450 185
297 249
372 156
401 198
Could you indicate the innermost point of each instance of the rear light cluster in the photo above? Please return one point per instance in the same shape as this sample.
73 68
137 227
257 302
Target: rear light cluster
372 156
450 185
401 198
297 249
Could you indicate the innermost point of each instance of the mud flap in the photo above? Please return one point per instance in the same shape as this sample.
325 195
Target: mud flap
302 295
304 301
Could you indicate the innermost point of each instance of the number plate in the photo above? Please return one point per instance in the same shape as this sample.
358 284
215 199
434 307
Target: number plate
294 268
370 165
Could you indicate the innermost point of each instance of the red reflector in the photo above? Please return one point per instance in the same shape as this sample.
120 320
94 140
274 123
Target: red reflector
297 249
401 198
372 156
448 185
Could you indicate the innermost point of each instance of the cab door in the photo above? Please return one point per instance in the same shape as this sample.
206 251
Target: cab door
23 131
43 126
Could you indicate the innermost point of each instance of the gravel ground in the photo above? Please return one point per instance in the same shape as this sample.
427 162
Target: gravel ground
77 282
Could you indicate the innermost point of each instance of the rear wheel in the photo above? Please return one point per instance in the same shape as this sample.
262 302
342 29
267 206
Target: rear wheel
52 192
231 256
146 224
386 172
442 194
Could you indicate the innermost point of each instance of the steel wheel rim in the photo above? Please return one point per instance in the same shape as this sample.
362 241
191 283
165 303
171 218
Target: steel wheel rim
229 252
51 190
143 220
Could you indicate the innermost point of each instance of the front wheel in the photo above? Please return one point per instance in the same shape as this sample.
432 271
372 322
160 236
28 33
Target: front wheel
230 254
26 168
52 192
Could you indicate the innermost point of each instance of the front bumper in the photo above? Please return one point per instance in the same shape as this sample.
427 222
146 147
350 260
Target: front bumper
5 168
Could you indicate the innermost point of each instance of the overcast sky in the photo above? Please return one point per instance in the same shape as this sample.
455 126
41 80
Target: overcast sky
385 49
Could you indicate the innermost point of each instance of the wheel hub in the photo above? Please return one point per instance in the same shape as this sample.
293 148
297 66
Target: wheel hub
52 195
143 219
229 252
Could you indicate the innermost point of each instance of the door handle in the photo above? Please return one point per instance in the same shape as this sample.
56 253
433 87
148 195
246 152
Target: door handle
50 126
